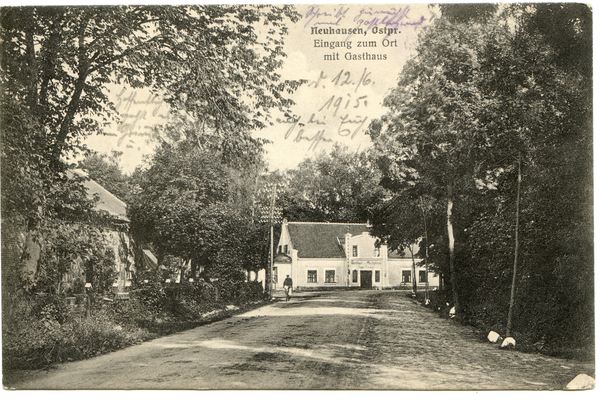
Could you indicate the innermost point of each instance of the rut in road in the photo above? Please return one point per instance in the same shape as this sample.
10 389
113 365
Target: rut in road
335 340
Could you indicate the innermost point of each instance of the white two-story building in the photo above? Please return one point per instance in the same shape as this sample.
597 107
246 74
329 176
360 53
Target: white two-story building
326 255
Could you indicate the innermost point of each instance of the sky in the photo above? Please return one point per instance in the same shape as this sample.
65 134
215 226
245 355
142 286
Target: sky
348 74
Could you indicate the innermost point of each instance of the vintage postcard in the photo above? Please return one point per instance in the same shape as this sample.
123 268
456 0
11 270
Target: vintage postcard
297 197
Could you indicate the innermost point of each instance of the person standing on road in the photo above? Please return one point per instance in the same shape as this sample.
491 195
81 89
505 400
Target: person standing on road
287 286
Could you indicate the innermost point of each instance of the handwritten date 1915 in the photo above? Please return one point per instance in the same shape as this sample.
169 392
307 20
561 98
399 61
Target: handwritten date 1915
334 103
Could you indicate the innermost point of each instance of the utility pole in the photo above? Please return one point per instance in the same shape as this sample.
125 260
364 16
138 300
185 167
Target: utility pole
269 275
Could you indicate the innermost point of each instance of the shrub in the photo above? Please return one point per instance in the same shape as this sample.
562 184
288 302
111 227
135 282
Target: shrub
39 343
49 332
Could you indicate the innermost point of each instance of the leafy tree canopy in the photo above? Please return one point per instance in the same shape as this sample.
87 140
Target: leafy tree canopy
335 187
479 95
191 205
217 63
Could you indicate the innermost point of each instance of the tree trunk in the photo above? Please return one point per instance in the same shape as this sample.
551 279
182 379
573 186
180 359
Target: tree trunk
47 70
426 251
65 126
31 64
414 271
451 249
73 107
514 277
193 268
269 269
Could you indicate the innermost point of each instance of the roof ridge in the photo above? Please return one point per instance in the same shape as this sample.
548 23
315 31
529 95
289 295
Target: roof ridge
106 198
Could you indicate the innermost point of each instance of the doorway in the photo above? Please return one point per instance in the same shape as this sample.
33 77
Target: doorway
366 279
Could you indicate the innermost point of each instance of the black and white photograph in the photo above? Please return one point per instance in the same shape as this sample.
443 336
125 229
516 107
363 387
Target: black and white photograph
228 196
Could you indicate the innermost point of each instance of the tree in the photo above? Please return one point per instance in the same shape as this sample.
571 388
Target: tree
394 223
335 187
477 100
553 108
216 62
431 139
190 205
214 65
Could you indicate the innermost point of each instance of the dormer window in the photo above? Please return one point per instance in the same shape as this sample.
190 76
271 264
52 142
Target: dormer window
285 249
354 251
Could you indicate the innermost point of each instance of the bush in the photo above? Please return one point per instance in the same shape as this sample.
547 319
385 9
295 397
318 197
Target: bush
39 343
239 293
48 331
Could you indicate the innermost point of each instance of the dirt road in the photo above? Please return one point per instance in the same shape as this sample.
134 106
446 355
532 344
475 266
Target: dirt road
339 340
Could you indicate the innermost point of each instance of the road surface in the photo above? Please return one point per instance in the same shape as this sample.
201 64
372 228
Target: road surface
337 340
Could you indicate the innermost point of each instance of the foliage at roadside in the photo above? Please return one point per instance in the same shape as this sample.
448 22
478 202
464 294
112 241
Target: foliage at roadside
215 65
191 205
490 88
53 332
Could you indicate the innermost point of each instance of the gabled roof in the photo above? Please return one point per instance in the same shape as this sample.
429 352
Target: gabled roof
106 201
320 240
148 259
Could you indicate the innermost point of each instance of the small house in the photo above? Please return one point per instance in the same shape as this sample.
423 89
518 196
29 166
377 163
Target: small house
116 226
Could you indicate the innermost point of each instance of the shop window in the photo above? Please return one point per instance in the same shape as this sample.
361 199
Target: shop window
406 276
355 276
312 276
377 276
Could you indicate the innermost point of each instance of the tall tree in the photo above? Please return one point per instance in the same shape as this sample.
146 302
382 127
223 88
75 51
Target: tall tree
189 204
216 66
476 99
216 62
335 187
431 138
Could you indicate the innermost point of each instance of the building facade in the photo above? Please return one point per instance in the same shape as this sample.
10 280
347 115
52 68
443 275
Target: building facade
342 255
